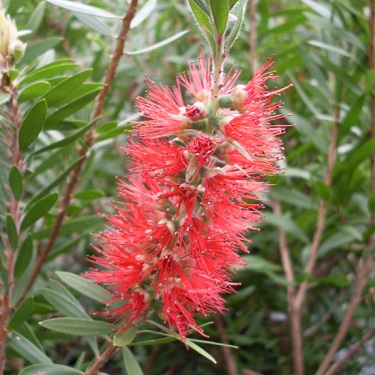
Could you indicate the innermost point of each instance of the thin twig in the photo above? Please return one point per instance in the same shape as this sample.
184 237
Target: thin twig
250 372
362 277
296 318
98 110
102 359
15 158
227 352
295 334
353 350
372 69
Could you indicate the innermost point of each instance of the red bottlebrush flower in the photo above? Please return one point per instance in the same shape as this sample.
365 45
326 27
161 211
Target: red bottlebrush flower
192 195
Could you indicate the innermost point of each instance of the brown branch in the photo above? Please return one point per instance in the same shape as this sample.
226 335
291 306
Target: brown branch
119 51
353 350
102 359
98 110
227 352
295 327
253 36
372 68
296 310
250 372
363 273
13 207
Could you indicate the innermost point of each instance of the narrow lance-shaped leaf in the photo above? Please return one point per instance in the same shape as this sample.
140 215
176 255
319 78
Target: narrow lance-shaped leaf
32 125
64 305
27 349
56 181
158 45
131 365
33 91
143 13
11 230
238 12
77 327
38 210
220 12
127 337
70 109
69 139
204 22
24 256
21 313
84 286
50 369
82 8
95 24
36 49
66 87
15 182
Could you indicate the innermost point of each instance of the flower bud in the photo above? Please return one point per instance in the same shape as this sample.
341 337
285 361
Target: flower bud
11 48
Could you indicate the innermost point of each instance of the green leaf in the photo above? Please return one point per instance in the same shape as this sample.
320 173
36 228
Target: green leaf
294 197
339 281
158 45
287 224
46 71
22 313
12 233
89 195
60 178
15 182
220 12
26 349
337 240
71 226
143 13
32 125
331 48
50 369
69 109
36 49
77 327
203 19
200 350
67 245
81 91
24 256
355 157
84 286
4 98
95 24
121 129
38 210
36 18
33 91
64 304
67 140
202 4
82 8
239 12
131 365
67 86
259 264
125 338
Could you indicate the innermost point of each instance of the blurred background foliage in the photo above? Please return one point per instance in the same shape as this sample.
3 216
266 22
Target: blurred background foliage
322 47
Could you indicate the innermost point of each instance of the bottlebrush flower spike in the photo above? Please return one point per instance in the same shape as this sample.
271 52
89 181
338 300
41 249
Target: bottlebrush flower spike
192 195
